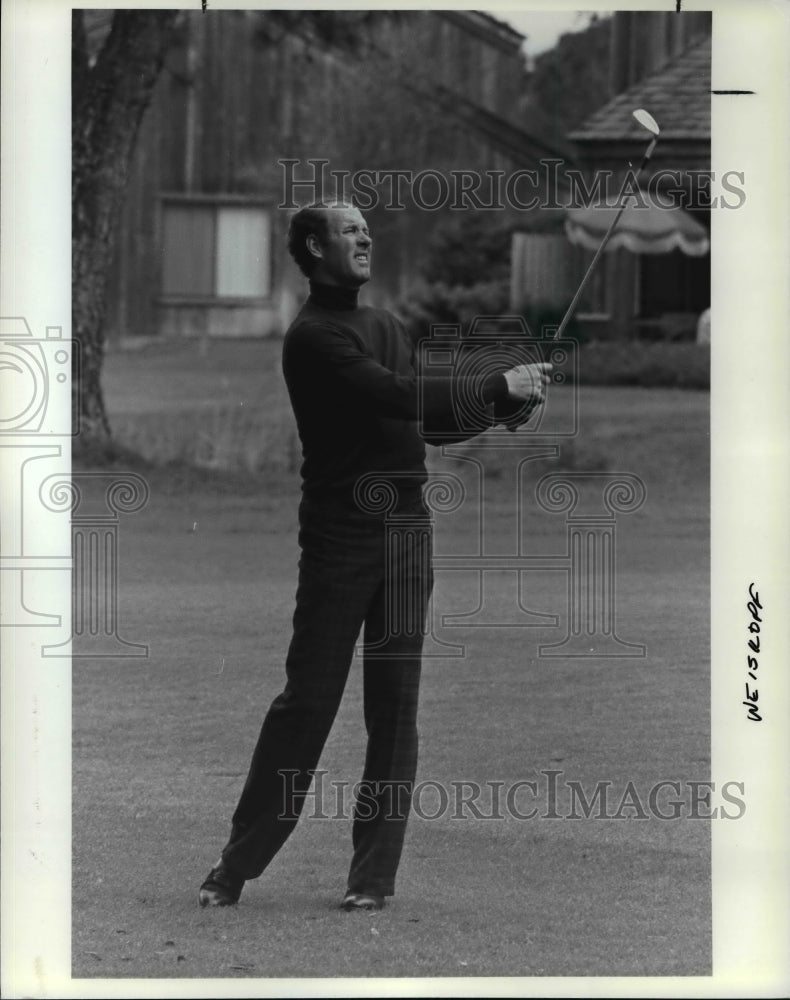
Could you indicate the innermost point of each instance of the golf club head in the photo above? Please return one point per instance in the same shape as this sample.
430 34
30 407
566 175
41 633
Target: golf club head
646 120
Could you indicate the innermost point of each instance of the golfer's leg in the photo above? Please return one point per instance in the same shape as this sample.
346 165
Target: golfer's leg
330 606
393 648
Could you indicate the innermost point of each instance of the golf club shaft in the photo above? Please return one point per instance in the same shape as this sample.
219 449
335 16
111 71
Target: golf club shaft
575 301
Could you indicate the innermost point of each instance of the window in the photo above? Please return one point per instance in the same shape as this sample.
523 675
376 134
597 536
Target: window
215 249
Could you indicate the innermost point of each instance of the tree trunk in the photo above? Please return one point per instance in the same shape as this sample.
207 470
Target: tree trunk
109 99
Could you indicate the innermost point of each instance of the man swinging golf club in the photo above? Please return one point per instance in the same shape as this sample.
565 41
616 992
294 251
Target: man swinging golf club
356 396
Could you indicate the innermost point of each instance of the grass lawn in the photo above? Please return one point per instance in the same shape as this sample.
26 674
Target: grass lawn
161 745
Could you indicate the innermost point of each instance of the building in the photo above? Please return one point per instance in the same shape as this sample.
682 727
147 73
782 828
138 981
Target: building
660 62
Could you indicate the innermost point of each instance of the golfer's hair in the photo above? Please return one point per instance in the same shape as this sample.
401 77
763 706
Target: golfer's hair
312 220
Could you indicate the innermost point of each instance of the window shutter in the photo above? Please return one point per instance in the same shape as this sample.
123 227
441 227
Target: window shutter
188 251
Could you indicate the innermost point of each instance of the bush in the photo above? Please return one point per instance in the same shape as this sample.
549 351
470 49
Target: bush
441 303
472 249
465 273
645 363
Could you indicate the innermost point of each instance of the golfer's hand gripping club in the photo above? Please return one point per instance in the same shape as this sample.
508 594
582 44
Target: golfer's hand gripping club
528 383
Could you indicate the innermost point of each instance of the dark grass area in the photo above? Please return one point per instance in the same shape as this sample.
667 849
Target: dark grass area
222 405
181 375
161 745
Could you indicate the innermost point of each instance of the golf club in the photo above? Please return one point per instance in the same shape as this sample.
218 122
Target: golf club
648 122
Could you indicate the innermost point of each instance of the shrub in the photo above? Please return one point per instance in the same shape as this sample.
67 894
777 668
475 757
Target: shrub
472 249
543 314
437 302
465 273
645 363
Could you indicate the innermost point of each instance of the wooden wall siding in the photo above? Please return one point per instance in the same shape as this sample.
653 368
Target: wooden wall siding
255 103
487 71
488 78
621 292
135 275
543 270
465 63
643 41
546 270
174 109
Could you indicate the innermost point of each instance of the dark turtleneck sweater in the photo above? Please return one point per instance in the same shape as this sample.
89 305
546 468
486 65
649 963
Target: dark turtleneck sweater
358 399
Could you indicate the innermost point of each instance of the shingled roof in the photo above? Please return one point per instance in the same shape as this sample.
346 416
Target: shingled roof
678 97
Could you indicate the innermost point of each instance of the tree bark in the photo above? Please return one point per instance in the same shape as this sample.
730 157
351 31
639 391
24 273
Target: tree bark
109 98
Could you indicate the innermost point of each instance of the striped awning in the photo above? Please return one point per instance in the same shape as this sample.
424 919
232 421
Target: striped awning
644 228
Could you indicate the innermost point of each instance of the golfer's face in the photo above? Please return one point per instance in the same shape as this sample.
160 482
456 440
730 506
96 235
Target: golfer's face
346 254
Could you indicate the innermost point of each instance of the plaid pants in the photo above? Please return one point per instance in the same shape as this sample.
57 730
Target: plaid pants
354 569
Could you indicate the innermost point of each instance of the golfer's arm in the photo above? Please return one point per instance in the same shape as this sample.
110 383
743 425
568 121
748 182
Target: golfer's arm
506 410
385 393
